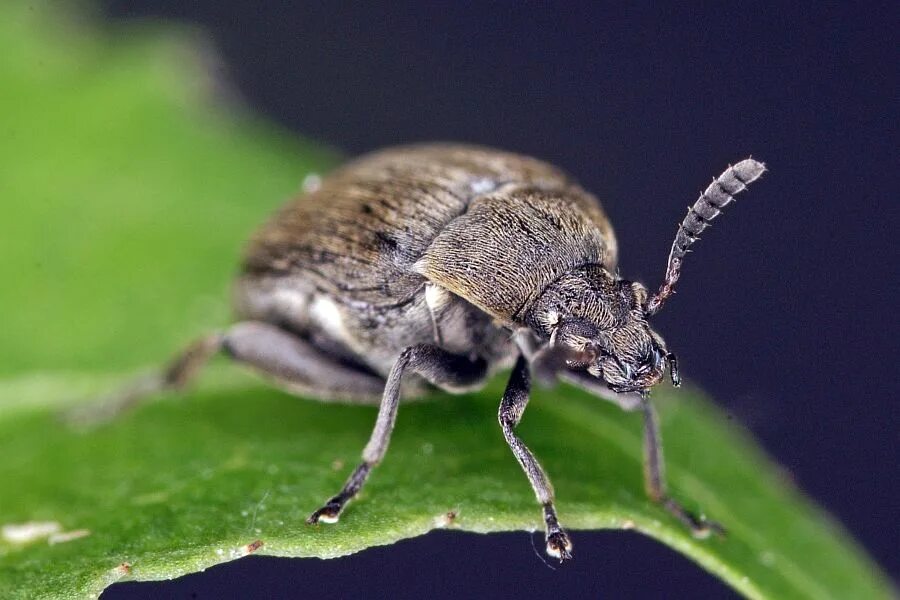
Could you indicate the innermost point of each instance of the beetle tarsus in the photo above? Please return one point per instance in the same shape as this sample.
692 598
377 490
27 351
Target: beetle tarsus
559 546
430 362
331 511
700 527
179 373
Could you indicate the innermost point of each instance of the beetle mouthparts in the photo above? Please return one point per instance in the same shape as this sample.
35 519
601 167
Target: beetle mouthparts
673 369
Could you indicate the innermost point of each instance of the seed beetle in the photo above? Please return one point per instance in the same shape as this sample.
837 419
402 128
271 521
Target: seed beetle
439 265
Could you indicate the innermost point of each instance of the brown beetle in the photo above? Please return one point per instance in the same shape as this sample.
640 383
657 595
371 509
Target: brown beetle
440 264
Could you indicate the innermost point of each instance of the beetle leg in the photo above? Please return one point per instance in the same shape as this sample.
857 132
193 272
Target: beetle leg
179 373
515 399
293 362
298 365
654 477
438 367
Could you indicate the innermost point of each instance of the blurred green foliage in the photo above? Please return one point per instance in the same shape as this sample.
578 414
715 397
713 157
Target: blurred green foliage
125 198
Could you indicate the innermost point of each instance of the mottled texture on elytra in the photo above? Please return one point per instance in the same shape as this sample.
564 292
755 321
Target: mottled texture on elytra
347 264
359 234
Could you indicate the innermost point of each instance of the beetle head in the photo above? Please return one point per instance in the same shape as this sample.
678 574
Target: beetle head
597 323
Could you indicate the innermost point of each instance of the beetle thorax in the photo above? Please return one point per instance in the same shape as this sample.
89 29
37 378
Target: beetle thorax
589 293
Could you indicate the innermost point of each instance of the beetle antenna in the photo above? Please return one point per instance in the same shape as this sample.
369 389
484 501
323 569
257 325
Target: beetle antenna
707 207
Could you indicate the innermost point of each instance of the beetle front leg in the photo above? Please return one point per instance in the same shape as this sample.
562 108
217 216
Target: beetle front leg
435 365
515 399
655 482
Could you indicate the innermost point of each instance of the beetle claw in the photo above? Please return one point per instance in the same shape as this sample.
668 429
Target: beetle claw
330 513
559 546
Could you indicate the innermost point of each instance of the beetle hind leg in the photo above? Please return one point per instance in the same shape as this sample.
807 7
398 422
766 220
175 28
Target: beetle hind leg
175 376
293 363
298 365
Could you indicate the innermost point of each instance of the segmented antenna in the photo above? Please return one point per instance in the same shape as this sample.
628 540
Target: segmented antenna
707 207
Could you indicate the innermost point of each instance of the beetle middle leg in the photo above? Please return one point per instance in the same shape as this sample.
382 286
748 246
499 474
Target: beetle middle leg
439 368
515 399
654 477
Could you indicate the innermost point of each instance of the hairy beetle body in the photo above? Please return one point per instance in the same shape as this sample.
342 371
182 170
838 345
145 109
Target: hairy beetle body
440 264
437 244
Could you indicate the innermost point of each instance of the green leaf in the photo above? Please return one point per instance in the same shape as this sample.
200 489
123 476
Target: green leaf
128 187
127 191
188 482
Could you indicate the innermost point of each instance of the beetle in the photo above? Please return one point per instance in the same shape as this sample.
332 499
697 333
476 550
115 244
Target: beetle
438 265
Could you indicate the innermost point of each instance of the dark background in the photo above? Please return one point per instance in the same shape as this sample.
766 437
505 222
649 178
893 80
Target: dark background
786 312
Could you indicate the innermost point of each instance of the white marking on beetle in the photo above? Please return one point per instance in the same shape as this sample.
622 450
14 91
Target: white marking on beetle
290 301
552 318
29 532
68 536
480 186
436 297
312 183
627 524
122 570
327 314
420 266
